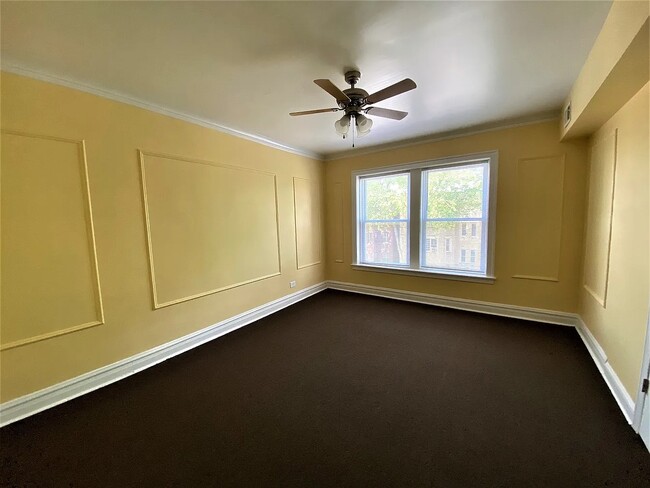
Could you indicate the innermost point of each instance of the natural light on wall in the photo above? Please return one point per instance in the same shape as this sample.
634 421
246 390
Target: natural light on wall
455 198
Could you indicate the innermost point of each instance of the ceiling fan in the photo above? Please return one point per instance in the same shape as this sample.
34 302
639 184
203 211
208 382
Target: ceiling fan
354 101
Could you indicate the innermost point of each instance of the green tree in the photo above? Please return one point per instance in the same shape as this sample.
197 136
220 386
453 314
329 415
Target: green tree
455 192
387 199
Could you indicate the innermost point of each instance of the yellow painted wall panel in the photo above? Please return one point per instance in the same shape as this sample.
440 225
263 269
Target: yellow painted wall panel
540 197
256 195
210 227
50 284
307 221
599 216
620 327
515 144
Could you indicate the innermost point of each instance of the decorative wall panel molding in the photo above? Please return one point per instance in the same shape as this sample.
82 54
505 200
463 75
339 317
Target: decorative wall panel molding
51 396
540 197
307 220
210 227
602 181
337 198
50 275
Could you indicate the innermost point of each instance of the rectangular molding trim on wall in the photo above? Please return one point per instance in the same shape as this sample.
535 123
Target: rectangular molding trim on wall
92 245
157 303
33 403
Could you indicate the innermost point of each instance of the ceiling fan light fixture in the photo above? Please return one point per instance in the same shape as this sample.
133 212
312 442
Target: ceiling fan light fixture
364 124
342 125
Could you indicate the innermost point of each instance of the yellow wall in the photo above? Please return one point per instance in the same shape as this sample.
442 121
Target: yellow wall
619 206
540 211
123 229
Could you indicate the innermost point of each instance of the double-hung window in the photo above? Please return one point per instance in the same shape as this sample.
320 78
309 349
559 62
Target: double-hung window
403 212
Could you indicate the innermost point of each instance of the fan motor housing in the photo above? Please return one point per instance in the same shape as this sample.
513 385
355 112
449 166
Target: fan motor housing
357 98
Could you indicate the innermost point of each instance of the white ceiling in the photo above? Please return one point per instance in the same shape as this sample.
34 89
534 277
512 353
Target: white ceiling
245 65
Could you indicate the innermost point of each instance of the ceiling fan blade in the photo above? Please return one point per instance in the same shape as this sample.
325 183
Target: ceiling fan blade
399 87
319 111
387 112
333 90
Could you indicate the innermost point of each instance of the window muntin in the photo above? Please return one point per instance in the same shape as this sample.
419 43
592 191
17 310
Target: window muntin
384 219
458 213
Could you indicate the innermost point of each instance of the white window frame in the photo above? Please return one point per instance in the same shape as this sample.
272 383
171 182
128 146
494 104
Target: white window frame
416 235
362 219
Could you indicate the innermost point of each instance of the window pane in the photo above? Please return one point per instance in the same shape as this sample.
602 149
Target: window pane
385 243
455 192
462 252
386 197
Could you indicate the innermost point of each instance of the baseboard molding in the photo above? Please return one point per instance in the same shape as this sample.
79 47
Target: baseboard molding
619 392
597 353
33 403
513 311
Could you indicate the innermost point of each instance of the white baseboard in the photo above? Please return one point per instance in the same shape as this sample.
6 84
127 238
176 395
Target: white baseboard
621 395
513 311
32 403
619 392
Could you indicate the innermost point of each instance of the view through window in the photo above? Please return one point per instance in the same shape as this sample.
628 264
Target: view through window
447 231
384 217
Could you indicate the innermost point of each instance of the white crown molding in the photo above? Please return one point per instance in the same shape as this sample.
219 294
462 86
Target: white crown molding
38 401
490 308
455 134
614 383
136 102
119 97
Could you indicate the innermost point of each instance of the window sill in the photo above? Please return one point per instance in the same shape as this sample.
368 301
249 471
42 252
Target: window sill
457 276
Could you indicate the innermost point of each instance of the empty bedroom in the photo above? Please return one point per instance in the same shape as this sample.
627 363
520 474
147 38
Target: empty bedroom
325 244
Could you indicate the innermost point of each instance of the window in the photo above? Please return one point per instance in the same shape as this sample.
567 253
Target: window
402 212
383 219
431 244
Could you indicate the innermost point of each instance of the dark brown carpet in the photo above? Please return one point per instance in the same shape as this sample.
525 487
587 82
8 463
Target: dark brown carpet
346 390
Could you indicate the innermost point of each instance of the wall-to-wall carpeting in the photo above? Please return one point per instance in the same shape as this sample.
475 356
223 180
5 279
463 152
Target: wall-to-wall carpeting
346 390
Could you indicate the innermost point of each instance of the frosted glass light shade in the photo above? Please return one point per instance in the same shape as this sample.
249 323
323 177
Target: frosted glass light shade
342 125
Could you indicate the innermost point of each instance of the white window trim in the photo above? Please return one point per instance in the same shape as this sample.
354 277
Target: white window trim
414 225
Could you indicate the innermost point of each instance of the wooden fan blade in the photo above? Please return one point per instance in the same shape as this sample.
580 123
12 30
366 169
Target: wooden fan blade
399 87
387 112
319 111
333 90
